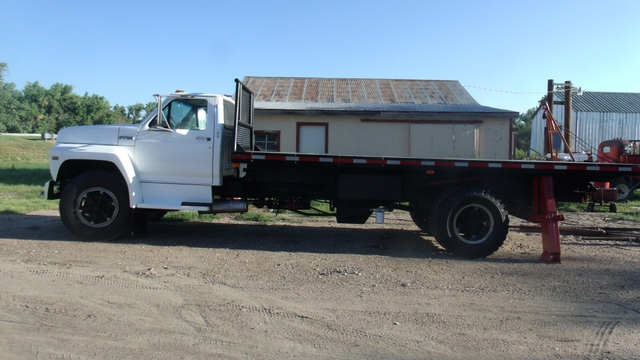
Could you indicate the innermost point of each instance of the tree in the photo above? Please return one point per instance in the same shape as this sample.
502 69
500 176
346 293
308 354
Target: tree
522 125
4 67
135 112
36 109
10 105
120 113
10 108
150 107
63 109
35 102
97 111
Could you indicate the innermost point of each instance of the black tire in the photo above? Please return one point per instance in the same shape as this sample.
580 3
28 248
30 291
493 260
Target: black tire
591 207
95 206
444 242
613 208
470 223
421 219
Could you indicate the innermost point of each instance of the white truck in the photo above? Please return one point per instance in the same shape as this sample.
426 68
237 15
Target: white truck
196 152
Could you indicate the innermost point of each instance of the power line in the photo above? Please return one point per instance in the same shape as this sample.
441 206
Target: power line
510 91
40 36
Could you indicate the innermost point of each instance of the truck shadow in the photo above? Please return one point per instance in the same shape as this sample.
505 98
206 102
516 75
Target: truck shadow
368 239
355 239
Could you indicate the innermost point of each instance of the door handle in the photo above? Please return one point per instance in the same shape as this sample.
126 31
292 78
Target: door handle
203 138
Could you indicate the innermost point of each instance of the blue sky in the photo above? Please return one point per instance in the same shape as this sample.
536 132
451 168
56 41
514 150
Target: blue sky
129 50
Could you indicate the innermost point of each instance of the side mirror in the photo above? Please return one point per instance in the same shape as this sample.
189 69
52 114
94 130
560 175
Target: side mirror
202 118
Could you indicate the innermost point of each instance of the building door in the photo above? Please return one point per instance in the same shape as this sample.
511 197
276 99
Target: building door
443 141
312 138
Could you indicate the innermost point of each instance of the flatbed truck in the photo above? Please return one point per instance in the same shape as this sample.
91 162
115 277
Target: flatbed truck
196 152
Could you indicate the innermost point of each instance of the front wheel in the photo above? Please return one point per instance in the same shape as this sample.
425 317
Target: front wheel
470 223
95 206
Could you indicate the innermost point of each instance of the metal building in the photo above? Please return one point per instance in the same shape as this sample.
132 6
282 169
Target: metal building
596 116
378 117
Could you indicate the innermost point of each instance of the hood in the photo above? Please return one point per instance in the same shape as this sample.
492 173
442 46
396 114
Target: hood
95 134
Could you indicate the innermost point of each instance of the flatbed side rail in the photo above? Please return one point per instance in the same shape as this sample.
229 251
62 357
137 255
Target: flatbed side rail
452 163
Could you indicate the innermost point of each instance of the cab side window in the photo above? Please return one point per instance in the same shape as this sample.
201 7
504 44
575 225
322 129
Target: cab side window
185 114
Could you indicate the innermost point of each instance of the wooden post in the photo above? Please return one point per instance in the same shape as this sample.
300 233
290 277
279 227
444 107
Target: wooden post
567 114
547 146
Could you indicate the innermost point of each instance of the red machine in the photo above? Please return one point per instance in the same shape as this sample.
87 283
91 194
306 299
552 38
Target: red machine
622 152
610 151
619 151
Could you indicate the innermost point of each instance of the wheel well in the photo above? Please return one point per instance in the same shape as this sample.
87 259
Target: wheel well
72 168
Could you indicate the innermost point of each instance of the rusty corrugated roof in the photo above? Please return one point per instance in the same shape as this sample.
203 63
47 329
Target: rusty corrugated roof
367 95
368 91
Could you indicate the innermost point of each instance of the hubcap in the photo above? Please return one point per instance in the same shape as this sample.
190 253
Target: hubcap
623 191
97 207
473 224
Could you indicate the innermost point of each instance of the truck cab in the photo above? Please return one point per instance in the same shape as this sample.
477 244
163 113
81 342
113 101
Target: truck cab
174 159
194 133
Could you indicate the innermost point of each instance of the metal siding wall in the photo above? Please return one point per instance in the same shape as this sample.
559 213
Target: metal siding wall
590 127
537 134
594 128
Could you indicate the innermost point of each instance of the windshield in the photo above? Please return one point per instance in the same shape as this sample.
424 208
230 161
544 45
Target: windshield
188 114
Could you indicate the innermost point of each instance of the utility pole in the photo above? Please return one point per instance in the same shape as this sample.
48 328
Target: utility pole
567 114
547 146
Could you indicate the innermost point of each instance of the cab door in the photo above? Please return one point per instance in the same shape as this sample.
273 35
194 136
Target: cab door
178 151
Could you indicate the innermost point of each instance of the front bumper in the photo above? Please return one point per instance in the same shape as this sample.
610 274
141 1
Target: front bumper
51 190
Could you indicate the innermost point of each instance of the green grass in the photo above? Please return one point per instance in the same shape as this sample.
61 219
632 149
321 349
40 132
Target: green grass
267 216
18 149
24 169
189 216
255 215
628 210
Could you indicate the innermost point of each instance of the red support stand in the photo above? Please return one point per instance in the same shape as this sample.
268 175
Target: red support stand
546 214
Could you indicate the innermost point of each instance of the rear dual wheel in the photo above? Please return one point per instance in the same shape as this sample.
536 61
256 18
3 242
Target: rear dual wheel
469 223
421 216
421 219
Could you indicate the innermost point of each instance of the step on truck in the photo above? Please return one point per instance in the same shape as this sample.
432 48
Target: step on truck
196 152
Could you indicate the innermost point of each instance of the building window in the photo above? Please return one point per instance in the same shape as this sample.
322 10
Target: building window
267 140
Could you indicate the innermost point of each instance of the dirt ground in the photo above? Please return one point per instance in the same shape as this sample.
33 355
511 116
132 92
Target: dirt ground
311 289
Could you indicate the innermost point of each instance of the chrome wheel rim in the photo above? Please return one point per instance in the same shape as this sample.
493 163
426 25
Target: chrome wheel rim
473 224
623 191
97 207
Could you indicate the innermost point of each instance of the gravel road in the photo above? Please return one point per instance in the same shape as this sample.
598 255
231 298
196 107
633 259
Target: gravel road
311 288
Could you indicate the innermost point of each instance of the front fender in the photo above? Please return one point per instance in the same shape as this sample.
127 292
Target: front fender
89 157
